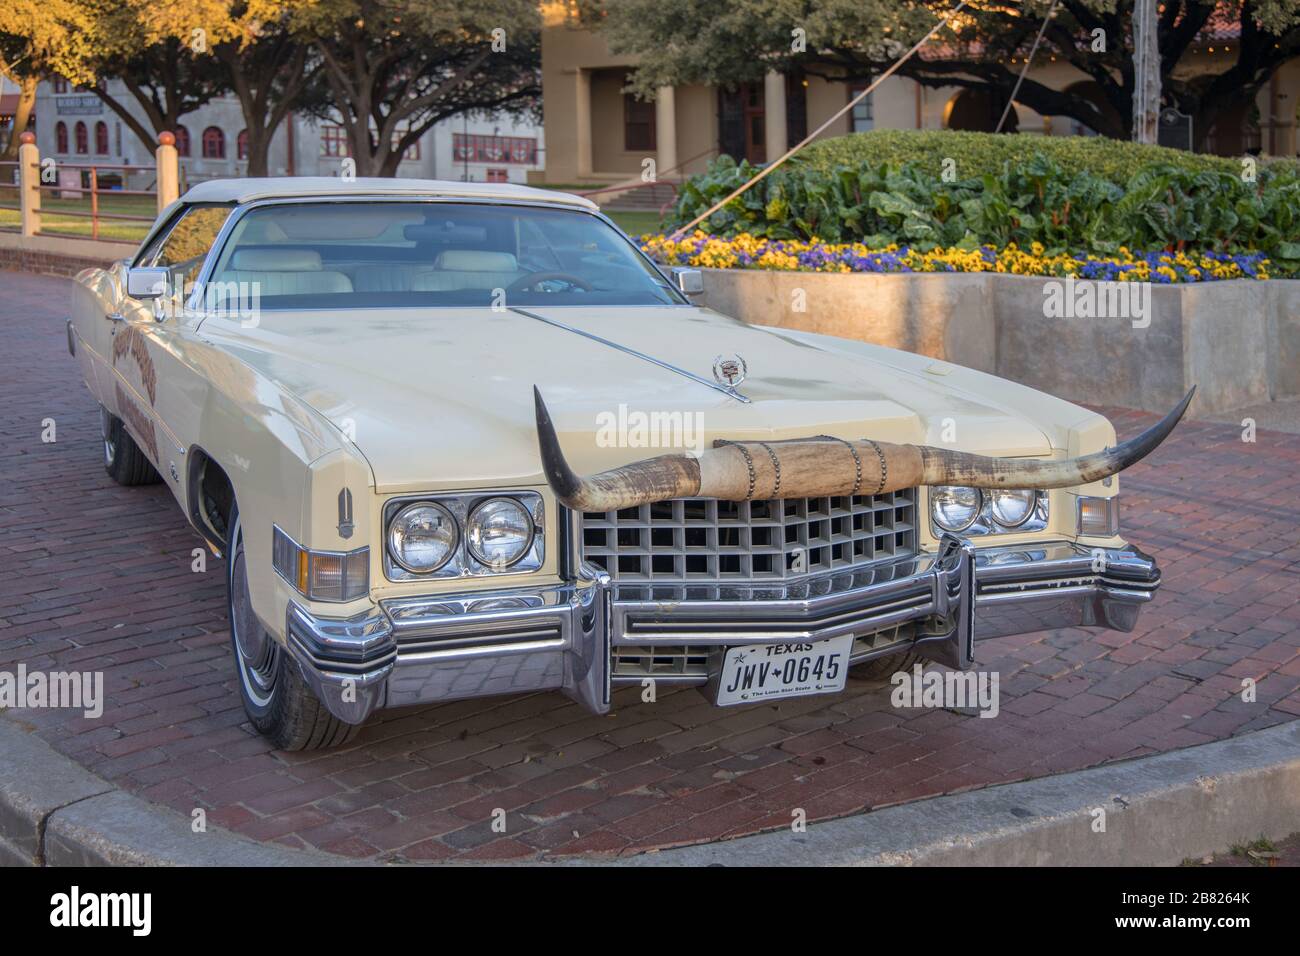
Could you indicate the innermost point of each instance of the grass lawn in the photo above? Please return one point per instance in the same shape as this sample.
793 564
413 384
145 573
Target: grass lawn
54 224
635 222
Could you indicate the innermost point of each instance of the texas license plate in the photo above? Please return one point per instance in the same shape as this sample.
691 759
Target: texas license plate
771 671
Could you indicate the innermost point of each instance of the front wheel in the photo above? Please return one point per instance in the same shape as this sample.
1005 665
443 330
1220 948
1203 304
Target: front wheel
123 460
276 699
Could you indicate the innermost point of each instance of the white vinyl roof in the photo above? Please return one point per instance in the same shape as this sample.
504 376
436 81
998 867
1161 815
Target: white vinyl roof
247 190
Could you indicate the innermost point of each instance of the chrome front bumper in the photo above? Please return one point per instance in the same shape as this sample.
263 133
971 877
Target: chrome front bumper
566 636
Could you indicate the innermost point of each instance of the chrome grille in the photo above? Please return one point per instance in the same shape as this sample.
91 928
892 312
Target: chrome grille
670 660
703 539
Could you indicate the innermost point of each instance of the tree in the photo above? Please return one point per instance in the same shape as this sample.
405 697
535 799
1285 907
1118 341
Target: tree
394 68
257 56
983 48
39 40
163 74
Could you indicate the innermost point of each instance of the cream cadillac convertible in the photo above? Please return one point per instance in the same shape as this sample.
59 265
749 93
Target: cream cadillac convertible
456 440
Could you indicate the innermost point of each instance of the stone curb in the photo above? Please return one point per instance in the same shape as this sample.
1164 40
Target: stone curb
1159 810
54 812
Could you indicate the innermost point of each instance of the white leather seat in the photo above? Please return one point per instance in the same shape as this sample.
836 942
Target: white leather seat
284 272
456 269
385 276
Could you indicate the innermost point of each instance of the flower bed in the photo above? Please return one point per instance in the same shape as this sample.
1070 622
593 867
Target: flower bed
746 251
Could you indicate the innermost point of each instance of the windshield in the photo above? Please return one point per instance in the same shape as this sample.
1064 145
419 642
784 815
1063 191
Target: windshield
356 254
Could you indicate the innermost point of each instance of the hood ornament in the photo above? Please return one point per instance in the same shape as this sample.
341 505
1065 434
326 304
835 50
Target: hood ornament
345 514
729 371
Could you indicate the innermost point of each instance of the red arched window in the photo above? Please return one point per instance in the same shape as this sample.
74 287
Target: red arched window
61 137
101 138
214 143
83 138
182 140
241 145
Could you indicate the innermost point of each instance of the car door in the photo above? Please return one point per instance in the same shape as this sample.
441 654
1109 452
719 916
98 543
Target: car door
155 388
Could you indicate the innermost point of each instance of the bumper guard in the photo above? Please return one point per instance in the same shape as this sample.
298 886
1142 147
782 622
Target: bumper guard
563 636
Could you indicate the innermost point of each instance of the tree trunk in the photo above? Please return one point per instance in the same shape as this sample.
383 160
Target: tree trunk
22 116
259 146
388 167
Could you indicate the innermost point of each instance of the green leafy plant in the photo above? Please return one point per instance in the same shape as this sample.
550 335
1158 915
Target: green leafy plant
1194 203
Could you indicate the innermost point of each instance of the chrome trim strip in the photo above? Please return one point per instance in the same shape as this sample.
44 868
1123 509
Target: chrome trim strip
729 392
346 662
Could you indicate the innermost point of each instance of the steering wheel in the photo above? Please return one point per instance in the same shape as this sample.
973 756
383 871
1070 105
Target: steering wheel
531 280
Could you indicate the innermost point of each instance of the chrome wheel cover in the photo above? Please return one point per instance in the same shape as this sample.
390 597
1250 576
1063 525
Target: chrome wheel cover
257 654
105 430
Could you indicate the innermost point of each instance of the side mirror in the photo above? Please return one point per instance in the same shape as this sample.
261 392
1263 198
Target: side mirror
689 281
147 282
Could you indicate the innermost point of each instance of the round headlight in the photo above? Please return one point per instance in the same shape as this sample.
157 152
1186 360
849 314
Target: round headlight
422 537
499 532
953 507
1011 509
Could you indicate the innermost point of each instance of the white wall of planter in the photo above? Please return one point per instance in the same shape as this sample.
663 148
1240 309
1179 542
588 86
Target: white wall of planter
1238 341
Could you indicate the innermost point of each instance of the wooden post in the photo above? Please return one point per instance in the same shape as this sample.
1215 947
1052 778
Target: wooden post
29 183
94 203
168 169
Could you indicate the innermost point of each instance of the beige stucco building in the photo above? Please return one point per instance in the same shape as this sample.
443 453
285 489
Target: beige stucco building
595 133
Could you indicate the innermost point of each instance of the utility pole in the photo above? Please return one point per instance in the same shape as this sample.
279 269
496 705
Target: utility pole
1146 72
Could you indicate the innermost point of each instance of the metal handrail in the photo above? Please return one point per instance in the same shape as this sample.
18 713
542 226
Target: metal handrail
64 165
115 192
94 215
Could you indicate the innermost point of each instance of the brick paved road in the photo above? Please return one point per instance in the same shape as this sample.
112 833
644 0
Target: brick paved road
98 577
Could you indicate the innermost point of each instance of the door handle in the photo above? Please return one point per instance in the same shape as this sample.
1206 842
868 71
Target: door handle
115 316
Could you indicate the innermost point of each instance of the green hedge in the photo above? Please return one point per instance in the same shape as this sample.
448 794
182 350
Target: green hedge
979 153
1009 189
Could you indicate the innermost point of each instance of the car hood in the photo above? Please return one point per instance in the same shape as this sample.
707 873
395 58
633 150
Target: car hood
443 398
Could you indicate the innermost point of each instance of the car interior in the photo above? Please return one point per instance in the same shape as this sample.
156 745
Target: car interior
356 254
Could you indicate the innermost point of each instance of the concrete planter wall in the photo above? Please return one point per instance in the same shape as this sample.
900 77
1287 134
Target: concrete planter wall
1238 341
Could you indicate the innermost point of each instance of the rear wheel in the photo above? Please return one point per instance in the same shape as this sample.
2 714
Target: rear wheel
881 668
276 699
123 460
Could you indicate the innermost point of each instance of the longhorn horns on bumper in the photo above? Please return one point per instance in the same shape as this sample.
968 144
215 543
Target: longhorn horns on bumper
812 467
